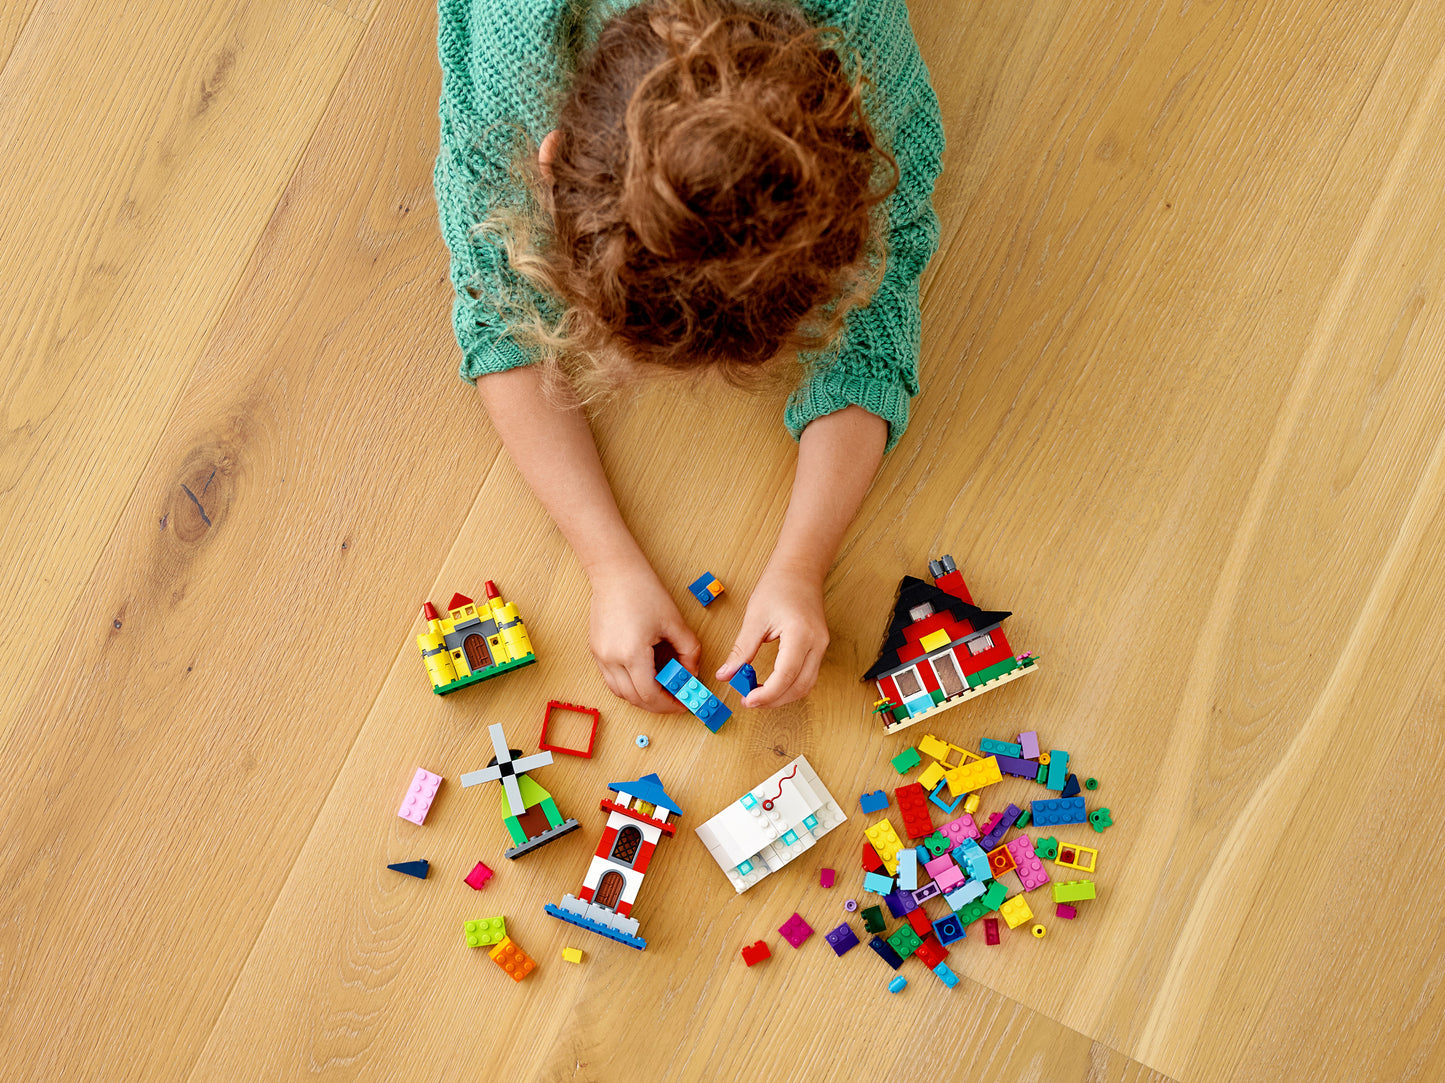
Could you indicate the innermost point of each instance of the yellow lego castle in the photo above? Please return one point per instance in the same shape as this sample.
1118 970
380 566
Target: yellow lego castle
466 646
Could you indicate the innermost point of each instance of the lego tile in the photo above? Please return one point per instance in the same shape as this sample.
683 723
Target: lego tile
1027 864
1068 891
930 952
795 930
572 955
876 801
877 884
484 932
948 929
885 952
745 679
512 959
907 870
826 877
478 877
1015 911
873 919
906 761
913 806
412 868
419 796
1029 745
1058 769
558 707
928 891
842 939
1059 811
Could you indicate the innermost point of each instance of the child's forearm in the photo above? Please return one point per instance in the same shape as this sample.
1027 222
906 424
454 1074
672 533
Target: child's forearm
838 456
553 449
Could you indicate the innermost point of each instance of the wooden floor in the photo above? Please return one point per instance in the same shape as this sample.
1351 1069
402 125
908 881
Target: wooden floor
1184 415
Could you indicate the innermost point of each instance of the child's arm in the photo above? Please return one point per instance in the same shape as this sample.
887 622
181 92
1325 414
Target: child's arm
553 449
838 454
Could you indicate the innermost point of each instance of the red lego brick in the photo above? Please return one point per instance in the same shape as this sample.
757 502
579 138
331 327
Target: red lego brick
990 930
756 953
919 920
930 951
913 804
871 861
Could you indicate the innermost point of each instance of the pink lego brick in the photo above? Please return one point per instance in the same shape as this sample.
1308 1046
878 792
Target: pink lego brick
1029 742
478 877
1064 910
939 865
825 877
417 802
955 831
1030 869
795 930
949 879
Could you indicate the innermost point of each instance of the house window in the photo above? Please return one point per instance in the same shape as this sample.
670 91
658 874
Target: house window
908 684
624 850
918 612
979 644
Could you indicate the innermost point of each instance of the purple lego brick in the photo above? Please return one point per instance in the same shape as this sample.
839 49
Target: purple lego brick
885 952
842 939
900 903
928 891
1030 869
955 831
1019 768
995 835
795 930
1029 742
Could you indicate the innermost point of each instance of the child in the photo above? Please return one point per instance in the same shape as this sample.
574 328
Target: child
628 188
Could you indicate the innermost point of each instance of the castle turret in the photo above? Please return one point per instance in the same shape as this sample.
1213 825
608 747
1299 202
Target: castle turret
509 625
433 646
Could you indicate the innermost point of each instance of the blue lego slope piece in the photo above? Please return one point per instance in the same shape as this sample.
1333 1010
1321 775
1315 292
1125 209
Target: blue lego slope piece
1059 811
885 952
693 694
412 868
596 927
699 588
876 801
745 679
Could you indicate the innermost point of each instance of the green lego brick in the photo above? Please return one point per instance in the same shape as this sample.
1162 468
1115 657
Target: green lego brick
873 919
906 760
904 941
1068 891
983 676
484 932
995 895
972 911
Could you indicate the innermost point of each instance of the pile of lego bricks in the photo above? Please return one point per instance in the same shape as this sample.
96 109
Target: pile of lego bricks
960 868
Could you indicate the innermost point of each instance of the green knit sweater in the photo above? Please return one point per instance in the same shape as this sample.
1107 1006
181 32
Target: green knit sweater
504 61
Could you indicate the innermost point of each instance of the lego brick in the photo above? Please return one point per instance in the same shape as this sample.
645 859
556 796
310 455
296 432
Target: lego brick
1025 818
988 826
958 830
990 930
565 708
900 903
873 802
693 694
478 877
572 955
512 959
932 746
1071 787
913 806
920 922
1059 811
972 858
904 941
907 870
826 877
1015 911
1043 774
930 952
968 913
1066 911
1000 861
971 803
745 680
842 939
795 930
1068 891
1100 818
948 929
928 891
992 838
419 796
970 777
412 868
594 919
1018 768
871 861
932 777
1083 858
897 983
906 761
1029 745
945 975
948 807
964 895
1027 864
1058 769
705 588
994 897
873 919
877 883
939 865
884 952
949 879
886 842
484 932
989 747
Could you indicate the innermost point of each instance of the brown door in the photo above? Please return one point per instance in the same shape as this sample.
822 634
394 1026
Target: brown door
609 890
533 822
478 657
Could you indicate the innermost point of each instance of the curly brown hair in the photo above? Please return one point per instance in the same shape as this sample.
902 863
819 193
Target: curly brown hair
715 193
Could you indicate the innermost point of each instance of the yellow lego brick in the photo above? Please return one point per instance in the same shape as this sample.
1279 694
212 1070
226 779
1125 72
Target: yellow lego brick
572 955
971 803
932 776
885 842
512 959
1083 858
970 777
932 746
1015 911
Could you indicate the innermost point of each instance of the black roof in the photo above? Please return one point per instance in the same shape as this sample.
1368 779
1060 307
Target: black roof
913 592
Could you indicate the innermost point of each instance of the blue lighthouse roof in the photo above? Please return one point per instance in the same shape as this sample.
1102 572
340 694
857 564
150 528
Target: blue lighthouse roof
648 788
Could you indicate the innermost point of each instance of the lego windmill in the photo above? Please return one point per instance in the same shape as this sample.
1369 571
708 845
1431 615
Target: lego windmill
530 813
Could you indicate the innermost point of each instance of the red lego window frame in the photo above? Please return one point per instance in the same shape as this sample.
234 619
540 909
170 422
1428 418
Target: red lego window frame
558 705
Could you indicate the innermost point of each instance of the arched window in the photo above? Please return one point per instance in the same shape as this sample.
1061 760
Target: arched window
624 849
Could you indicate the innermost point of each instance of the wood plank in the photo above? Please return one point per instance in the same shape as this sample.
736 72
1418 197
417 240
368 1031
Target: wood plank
108 296
14 14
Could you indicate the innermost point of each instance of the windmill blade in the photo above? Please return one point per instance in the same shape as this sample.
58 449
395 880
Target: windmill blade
514 794
499 743
528 763
486 774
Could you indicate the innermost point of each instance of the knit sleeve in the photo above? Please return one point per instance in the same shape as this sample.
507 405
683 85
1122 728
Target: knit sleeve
497 65
874 363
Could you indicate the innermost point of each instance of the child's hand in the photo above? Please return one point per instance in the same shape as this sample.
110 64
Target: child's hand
630 612
787 605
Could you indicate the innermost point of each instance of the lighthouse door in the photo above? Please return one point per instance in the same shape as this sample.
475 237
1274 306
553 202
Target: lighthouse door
609 890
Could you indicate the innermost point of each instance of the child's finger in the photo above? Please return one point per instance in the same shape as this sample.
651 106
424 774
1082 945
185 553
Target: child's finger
750 637
651 696
790 665
685 644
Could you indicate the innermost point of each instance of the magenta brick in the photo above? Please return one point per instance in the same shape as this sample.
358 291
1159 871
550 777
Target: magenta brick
826 877
1065 910
1027 864
418 799
949 878
478 877
939 865
795 930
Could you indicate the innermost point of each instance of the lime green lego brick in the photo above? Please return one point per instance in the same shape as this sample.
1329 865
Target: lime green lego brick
485 932
1068 891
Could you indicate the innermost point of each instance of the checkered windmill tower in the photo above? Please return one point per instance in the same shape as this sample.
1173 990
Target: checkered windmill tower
529 812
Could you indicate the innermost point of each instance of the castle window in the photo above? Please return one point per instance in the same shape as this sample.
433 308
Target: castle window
624 849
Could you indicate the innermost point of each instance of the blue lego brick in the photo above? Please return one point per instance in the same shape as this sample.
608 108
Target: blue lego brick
991 747
1059 811
596 927
699 588
994 837
1071 787
900 903
842 939
964 894
1012 765
1058 769
886 953
907 870
745 679
948 929
693 694
972 858
878 884
946 806
948 977
876 801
